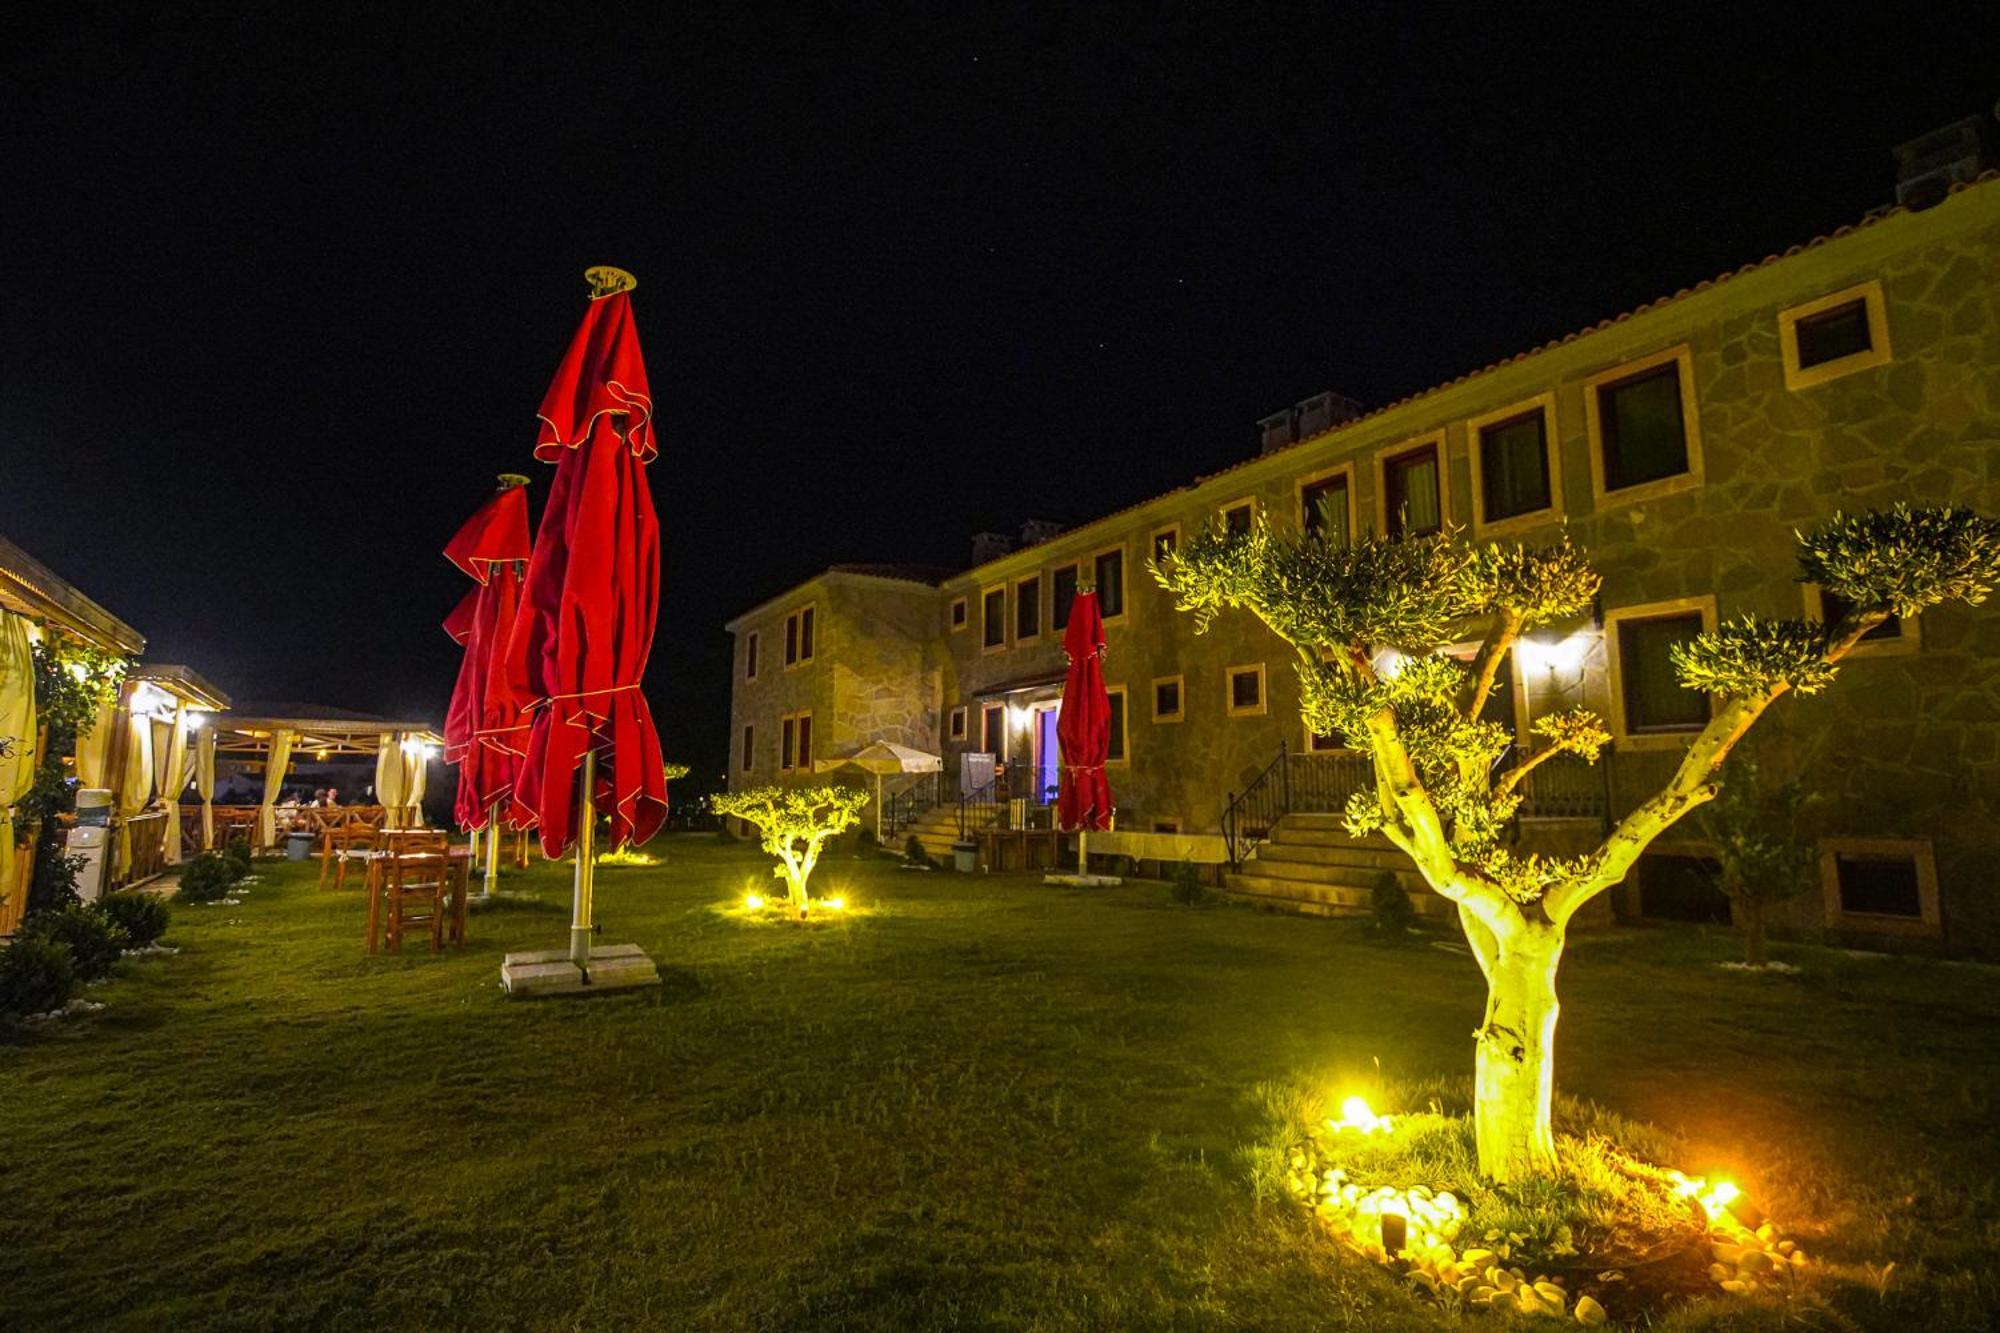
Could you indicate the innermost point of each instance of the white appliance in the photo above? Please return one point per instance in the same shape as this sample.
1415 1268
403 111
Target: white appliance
90 839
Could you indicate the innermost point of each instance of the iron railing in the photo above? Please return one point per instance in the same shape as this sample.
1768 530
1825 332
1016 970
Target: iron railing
978 808
900 809
1567 787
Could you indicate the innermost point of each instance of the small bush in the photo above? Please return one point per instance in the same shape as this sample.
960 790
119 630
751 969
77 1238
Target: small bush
207 878
914 853
53 886
36 975
94 940
143 916
864 842
1188 890
1395 915
237 857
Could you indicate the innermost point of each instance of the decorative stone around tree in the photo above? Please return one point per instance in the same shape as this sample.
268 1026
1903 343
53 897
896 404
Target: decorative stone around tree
796 823
1368 621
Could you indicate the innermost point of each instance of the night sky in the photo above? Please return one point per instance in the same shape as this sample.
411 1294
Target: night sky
280 301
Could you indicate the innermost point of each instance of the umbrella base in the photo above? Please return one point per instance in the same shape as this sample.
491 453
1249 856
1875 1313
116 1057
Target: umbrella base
1083 881
613 967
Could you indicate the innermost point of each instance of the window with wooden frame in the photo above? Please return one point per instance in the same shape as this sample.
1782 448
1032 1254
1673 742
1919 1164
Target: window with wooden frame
787 736
1167 825
1649 705
750 655
1326 506
1239 516
1412 491
749 746
1166 542
993 731
1516 465
1644 428
1892 637
1062 595
993 620
1880 885
1169 699
795 742
1322 743
1117 750
1835 335
799 637
1243 690
955 727
961 614
1109 566
1028 608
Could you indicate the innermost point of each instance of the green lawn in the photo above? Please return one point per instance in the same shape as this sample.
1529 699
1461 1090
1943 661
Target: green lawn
975 1103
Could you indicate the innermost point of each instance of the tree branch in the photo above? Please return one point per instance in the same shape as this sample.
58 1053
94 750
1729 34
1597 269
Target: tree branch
1499 642
1512 777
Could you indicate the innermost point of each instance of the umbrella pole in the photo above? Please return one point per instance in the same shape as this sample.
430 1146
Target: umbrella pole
492 848
586 865
878 809
1083 850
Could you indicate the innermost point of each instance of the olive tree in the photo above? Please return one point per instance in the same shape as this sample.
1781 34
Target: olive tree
795 824
1369 621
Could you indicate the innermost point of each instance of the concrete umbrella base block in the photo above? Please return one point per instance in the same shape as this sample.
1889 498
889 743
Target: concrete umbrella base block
613 967
1083 881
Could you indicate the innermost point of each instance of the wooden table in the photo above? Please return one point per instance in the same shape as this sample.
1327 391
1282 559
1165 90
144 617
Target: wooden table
458 855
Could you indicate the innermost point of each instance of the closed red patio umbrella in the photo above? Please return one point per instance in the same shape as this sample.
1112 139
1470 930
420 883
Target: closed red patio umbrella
485 728
1083 729
591 597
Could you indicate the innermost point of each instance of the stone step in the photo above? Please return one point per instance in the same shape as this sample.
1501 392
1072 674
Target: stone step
1351 877
1321 899
1354 855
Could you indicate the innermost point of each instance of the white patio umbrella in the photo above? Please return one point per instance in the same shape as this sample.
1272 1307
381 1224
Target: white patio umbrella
883 758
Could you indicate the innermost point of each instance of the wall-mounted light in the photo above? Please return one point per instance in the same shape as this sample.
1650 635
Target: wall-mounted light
1560 655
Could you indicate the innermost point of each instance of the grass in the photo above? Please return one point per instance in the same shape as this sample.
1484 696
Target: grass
979 1103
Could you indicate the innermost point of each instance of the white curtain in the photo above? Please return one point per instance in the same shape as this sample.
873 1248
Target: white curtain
204 782
274 781
416 776
390 773
173 781
18 758
93 748
135 783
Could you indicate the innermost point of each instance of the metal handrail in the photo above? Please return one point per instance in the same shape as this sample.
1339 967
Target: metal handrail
1249 816
984 796
901 809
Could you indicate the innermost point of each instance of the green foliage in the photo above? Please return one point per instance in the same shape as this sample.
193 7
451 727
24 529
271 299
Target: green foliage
1576 731
1754 654
207 878
142 916
864 842
1395 916
914 853
1186 885
54 884
236 856
73 680
93 939
37 974
1757 826
1903 560
795 813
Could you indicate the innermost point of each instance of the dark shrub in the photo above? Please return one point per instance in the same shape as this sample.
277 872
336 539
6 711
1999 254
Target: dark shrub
54 884
914 853
206 878
1395 915
36 975
1187 887
94 940
142 915
237 857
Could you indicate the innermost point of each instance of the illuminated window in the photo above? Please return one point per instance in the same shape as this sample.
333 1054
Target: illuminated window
1326 507
1245 690
1028 607
1110 568
1169 702
1062 590
993 618
1834 335
1413 492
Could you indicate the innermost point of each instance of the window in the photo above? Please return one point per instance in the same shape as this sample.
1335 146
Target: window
1115 751
1028 607
960 613
1880 884
1894 635
805 721
957 724
1833 336
799 636
1238 516
1326 507
1168 699
1166 542
1111 583
1644 433
1245 694
1413 490
1166 826
1062 590
993 730
1323 743
787 734
1515 474
993 619
1647 695
750 656
749 746
794 742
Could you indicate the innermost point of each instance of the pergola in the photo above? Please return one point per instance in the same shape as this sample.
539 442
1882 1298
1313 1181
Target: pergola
278 733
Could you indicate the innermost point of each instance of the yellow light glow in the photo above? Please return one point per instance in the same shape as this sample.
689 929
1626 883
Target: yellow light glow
1714 1199
753 901
836 904
79 672
194 720
1562 657
1356 1114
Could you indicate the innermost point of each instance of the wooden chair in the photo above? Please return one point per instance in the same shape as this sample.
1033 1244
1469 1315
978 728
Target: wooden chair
417 887
344 842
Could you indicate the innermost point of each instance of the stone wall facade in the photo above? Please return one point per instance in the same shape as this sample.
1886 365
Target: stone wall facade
1905 747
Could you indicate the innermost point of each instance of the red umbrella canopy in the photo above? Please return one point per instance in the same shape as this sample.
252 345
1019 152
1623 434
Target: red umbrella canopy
1083 727
592 593
484 729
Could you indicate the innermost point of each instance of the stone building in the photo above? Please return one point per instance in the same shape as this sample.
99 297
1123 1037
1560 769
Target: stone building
1681 442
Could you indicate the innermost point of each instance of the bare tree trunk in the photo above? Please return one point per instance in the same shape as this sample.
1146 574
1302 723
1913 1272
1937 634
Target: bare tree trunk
1514 1087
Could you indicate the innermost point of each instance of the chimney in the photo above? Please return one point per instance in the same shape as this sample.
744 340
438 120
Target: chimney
1035 531
1930 164
1319 413
989 546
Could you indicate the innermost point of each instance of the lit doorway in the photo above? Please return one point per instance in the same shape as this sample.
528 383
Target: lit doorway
1048 752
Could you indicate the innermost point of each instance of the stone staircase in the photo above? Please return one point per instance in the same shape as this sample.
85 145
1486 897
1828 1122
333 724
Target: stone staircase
1311 865
937 828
